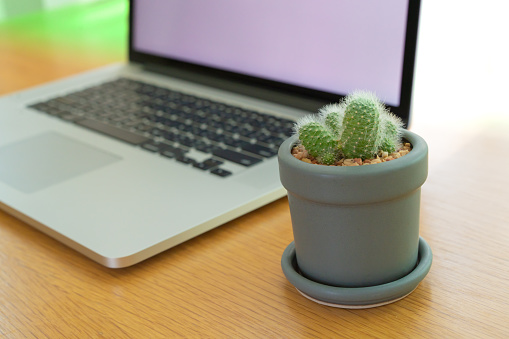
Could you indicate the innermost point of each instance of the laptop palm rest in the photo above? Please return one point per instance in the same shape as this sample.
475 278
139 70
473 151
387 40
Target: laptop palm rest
47 159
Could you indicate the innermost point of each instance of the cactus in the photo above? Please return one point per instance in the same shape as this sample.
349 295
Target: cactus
361 126
391 139
358 127
332 116
317 139
328 158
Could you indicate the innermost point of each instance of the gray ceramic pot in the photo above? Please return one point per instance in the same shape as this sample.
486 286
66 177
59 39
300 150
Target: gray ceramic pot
355 226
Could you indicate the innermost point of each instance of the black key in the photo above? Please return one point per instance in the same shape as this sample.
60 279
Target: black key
221 172
184 140
142 127
270 139
213 162
169 136
259 150
202 166
208 164
157 132
232 128
171 151
205 147
151 146
169 154
117 133
186 160
236 157
234 142
215 137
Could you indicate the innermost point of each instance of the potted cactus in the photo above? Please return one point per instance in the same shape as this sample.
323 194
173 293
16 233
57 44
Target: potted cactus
354 211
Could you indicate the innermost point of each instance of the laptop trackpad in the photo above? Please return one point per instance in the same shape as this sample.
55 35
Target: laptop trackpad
47 159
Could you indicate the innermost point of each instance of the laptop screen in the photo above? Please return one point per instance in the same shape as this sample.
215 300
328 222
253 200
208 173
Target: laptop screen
331 46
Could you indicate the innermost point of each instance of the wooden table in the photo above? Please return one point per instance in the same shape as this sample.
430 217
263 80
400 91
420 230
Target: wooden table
228 282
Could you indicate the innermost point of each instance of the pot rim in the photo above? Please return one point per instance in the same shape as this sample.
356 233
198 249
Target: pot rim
419 146
364 184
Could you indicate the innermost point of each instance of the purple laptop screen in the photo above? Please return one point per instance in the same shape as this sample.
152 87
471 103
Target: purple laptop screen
334 46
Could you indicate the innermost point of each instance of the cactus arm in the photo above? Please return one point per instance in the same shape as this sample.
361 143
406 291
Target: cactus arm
316 138
392 127
332 116
328 158
361 126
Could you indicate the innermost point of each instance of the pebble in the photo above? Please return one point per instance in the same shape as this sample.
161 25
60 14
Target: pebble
300 153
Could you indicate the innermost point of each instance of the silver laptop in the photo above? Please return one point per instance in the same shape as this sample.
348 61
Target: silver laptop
124 162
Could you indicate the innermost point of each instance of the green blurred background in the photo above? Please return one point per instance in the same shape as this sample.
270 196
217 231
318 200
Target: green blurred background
41 20
101 22
14 8
58 37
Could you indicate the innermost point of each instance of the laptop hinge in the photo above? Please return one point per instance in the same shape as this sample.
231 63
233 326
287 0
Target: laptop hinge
258 90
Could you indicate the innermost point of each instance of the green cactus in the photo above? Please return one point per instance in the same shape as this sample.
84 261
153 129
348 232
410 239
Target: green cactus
328 158
361 126
332 116
358 127
316 138
392 133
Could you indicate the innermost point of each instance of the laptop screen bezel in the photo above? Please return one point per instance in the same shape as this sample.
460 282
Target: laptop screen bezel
282 93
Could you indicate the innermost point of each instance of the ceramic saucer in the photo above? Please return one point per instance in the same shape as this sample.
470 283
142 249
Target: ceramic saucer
357 297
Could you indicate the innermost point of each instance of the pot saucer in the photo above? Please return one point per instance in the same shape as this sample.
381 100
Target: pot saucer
357 297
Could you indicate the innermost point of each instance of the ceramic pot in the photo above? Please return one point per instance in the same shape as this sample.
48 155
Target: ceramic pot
355 226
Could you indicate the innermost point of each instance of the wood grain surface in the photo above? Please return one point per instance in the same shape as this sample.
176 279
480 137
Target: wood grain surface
228 282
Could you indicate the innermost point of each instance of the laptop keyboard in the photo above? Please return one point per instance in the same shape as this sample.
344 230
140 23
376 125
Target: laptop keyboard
173 124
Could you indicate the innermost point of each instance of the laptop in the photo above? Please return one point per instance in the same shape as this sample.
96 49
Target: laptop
126 161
